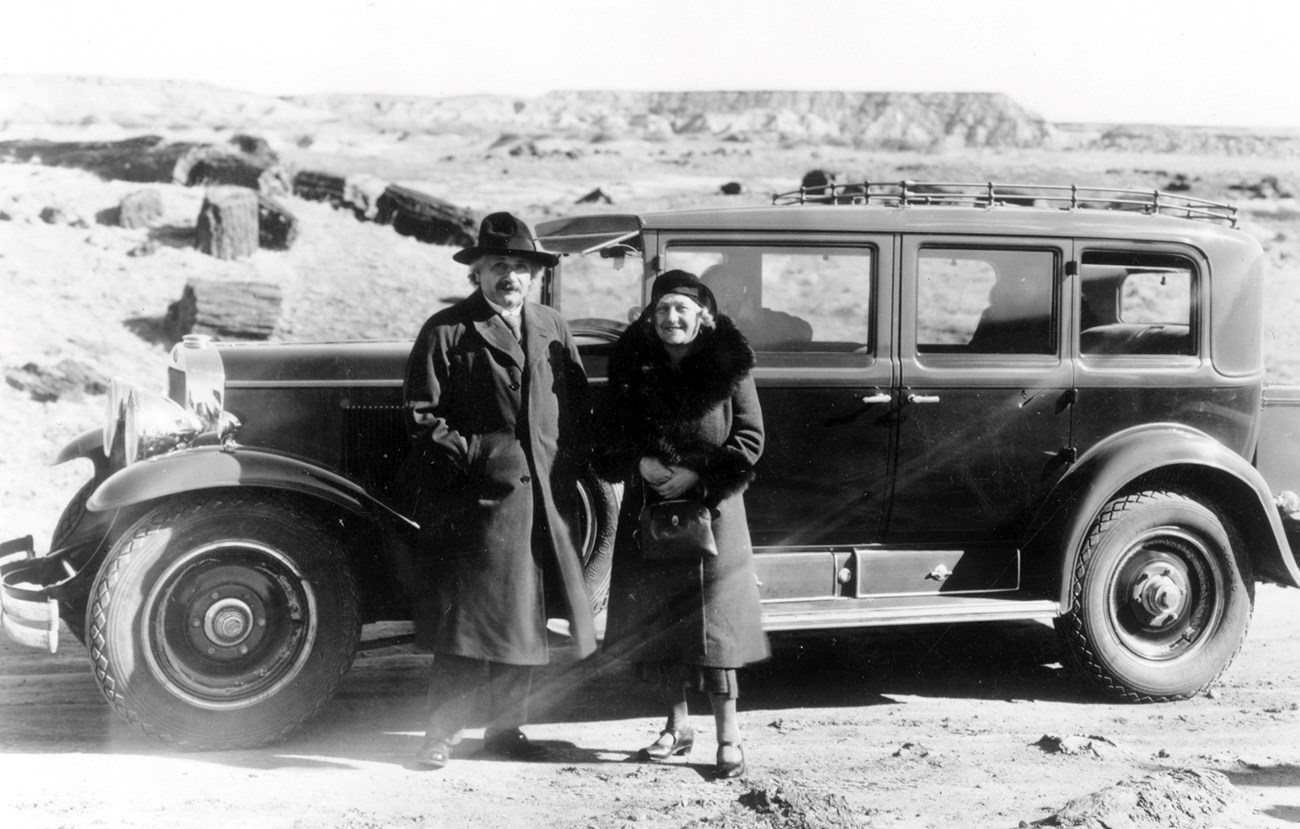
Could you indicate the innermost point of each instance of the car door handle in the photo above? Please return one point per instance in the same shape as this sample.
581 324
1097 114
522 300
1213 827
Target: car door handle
879 397
923 398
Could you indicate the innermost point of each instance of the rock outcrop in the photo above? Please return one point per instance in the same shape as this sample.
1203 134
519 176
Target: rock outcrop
924 121
874 120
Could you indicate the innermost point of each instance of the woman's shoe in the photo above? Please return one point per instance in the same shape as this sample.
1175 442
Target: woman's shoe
659 751
726 770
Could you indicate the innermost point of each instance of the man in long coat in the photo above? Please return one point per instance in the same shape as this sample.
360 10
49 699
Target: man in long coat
497 392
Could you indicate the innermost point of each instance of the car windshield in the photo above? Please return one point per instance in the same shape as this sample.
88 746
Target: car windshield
599 291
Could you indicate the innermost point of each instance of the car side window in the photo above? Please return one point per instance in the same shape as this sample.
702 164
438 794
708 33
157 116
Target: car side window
789 298
986 301
1136 304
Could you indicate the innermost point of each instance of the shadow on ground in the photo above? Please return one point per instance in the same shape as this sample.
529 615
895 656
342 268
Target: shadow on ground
376 714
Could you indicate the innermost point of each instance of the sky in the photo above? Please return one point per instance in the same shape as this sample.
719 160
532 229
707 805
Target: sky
1188 62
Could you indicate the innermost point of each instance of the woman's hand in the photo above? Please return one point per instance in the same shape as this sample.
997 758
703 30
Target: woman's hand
679 482
654 471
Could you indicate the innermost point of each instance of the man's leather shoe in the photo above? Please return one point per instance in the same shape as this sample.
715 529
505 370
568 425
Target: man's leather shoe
434 753
513 744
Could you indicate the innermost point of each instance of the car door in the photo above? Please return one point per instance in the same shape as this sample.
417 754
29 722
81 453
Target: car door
811 309
985 394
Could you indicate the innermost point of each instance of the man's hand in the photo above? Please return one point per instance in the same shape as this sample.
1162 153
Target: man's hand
422 412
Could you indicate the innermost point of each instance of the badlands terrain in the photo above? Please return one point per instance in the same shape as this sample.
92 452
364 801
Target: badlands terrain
922 727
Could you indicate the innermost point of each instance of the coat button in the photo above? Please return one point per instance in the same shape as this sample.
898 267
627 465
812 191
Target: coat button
523 479
514 387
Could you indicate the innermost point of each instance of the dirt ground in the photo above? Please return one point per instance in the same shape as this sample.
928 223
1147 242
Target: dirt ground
917 727
973 726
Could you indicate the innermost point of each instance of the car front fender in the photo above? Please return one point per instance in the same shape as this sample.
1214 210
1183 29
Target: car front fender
1169 455
211 467
89 444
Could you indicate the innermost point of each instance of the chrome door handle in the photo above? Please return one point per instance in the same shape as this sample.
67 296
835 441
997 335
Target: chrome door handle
879 397
923 398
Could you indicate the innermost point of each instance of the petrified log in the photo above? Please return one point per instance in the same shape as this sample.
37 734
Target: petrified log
318 186
140 209
256 146
277 228
244 310
207 165
427 218
227 227
150 158
596 196
817 183
146 158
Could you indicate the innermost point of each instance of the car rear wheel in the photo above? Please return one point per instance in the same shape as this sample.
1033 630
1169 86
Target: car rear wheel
1159 606
223 621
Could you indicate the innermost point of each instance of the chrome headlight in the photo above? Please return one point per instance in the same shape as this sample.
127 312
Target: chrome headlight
118 392
197 365
154 425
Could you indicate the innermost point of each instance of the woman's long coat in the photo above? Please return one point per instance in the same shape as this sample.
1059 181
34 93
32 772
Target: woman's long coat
492 461
704 415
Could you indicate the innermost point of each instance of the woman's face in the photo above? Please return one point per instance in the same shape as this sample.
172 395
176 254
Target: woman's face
677 319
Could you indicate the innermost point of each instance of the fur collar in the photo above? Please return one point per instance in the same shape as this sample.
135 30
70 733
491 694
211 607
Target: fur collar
641 377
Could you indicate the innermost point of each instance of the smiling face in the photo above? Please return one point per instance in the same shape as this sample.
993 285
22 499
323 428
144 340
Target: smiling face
505 279
677 320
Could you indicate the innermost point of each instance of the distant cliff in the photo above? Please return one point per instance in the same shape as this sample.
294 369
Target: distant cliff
870 120
924 121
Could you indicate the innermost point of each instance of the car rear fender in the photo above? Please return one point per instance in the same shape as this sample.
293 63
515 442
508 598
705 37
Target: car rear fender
1163 456
211 467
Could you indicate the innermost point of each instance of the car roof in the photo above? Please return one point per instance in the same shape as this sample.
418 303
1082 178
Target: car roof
914 207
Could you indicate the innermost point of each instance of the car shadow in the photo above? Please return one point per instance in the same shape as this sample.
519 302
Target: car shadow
376 715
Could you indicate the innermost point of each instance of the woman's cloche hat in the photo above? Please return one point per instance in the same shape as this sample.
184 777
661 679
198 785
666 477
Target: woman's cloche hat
505 235
686 284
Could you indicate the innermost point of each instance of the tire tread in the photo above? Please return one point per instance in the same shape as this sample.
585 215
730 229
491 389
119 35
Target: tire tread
1078 651
102 598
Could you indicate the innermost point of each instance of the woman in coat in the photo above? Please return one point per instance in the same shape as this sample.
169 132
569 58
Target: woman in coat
681 419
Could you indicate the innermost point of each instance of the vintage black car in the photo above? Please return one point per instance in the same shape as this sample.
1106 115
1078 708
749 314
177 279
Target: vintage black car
981 403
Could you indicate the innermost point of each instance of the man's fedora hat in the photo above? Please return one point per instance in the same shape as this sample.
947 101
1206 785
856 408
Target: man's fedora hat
505 235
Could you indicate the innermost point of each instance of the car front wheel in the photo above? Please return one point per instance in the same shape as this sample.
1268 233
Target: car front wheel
223 621
1159 607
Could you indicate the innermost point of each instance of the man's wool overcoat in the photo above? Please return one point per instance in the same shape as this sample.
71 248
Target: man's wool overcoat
496 449
702 414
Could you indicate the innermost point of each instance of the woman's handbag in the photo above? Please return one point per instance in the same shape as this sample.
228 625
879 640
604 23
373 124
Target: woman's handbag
676 529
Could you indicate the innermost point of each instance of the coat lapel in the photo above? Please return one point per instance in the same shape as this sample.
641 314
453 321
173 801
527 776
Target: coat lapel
536 336
498 335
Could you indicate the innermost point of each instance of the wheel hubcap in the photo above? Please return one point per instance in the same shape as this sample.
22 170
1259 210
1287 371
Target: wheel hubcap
1166 594
1160 594
229 624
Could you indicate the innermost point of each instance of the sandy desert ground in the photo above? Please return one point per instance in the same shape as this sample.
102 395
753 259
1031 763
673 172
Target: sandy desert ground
925 727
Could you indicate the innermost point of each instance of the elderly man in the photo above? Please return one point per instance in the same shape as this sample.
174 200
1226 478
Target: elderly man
497 392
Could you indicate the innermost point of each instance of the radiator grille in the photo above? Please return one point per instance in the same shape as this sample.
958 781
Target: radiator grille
374 442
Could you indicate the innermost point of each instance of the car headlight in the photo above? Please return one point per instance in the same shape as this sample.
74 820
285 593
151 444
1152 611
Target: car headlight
154 424
115 410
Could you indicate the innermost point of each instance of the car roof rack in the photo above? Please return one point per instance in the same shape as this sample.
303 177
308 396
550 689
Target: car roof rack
989 194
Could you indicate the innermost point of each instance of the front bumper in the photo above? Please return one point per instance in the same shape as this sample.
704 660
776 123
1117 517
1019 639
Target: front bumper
29 611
